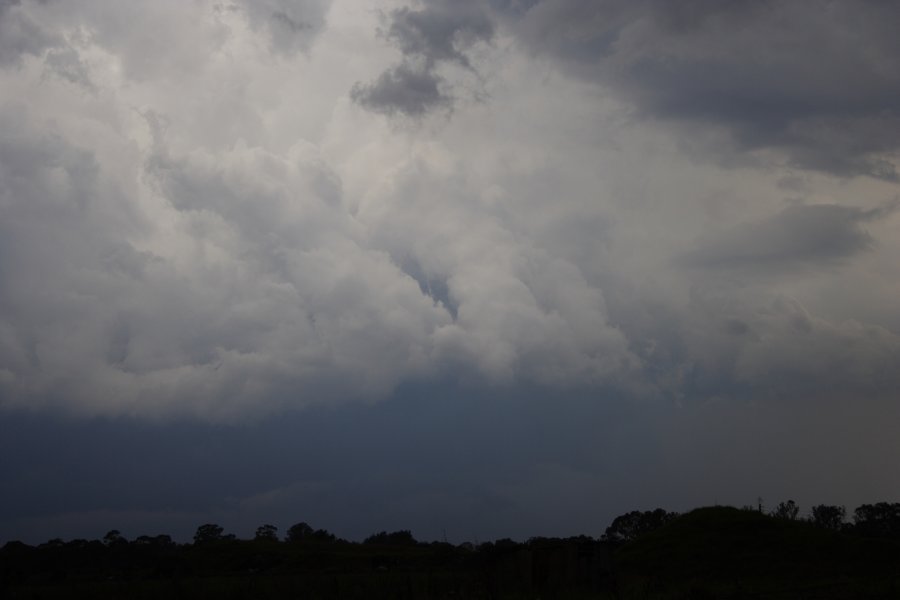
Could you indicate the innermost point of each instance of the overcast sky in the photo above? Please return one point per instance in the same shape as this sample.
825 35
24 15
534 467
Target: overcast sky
475 268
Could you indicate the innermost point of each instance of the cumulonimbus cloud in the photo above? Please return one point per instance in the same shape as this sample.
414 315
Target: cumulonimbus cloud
149 269
796 236
436 33
210 221
794 78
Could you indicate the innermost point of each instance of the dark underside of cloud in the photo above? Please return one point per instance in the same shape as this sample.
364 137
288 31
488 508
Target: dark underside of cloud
291 25
799 235
815 82
403 89
19 35
438 33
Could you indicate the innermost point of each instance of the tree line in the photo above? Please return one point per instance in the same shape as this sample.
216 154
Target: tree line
881 520
308 562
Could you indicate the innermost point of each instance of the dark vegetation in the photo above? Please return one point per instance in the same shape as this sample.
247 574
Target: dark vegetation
717 552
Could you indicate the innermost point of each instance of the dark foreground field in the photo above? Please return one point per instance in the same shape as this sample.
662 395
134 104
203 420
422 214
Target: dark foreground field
708 553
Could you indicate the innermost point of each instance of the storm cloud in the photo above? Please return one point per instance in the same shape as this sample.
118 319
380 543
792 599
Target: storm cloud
816 82
291 25
184 256
493 263
435 34
800 234
403 89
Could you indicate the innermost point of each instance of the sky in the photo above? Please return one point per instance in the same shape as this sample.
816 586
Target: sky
472 268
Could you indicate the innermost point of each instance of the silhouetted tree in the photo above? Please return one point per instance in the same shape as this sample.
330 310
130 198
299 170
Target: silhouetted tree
209 533
786 510
403 537
114 537
299 532
302 532
878 520
829 517
505 544
636 523
322 535
159 541
81 544
267 532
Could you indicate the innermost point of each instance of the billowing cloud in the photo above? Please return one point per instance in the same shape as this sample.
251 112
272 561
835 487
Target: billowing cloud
803 234
440 31
19 35
152 267
210 221
435 34
403 89
291 25
815 82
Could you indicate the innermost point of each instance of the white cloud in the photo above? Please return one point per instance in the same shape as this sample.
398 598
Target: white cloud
198 220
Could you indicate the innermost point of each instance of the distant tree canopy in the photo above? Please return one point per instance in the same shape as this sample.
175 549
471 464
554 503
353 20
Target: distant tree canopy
114 537
786 510
629 526
210 532
302 532
881 520
266 533
397 538
299 532
159 541
828 517
878 520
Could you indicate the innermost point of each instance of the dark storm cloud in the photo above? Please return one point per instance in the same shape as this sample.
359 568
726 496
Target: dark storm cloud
353 470
19 35
804 234
430 467
403 89
817 81
65 63
291 25
438 32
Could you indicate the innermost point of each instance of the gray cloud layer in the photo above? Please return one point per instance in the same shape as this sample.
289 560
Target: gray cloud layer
437 33
19 34
403 89
210 222
797 235
290 24
815 81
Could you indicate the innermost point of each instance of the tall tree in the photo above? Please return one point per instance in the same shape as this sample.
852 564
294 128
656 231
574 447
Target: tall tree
878 520
631 525
829 517
209 532
267 533
786 510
